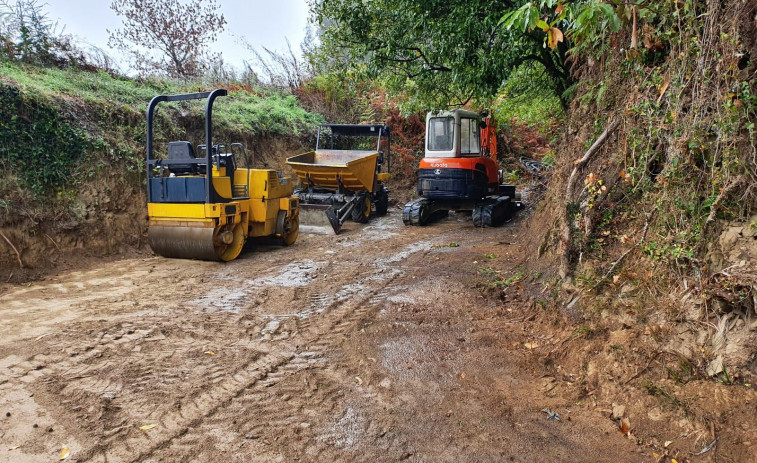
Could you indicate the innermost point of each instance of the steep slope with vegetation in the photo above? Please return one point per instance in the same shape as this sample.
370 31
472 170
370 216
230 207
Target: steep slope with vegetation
656 182
655 238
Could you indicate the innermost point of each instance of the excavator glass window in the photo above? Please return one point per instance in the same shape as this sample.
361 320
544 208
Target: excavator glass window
441 133
469 140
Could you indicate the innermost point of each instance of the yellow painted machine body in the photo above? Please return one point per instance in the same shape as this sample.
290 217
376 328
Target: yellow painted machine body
341 179
196 230
355 169
206 207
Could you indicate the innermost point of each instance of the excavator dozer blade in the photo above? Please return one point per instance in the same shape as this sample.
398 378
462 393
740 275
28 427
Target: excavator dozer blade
318 219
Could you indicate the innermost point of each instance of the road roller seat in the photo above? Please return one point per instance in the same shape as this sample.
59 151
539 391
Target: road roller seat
182 151
226 160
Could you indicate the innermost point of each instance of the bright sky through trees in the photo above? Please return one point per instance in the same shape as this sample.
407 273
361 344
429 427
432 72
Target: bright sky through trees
262 23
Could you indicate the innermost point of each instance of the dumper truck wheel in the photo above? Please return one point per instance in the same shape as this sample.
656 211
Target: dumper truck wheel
362 210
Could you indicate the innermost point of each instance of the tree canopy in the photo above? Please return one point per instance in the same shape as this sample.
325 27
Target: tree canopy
447 52
438 52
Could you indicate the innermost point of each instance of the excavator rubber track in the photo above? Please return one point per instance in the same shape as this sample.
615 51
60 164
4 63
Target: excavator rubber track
491 212
494 211
422 211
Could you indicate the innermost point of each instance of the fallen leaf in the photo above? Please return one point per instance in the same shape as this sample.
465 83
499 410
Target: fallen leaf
559 8
551 415
531 345
615 278
625 426
147 426
359 381
210 352
673 460
462 375
64 453
663 88
667 443
656 455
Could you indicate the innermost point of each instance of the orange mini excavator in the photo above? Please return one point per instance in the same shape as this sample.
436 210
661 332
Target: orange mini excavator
460 172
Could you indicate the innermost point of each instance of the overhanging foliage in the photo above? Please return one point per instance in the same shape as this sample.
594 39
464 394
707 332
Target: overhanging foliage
436 52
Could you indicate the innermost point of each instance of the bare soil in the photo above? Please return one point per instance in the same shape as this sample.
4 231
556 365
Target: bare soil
376 345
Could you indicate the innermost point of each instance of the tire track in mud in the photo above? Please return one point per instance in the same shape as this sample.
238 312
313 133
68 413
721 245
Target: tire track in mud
130 358
288 403
273 414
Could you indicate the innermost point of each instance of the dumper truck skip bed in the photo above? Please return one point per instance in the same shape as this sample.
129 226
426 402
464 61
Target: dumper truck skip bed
340 184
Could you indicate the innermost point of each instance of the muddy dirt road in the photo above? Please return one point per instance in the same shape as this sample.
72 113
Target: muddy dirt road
371 346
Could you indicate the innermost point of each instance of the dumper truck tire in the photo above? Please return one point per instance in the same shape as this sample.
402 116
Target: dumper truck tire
362 210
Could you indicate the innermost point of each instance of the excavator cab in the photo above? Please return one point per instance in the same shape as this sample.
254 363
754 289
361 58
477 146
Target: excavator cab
453 134
460 172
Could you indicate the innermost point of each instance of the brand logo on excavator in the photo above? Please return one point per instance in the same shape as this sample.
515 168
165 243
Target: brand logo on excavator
438 164
438 171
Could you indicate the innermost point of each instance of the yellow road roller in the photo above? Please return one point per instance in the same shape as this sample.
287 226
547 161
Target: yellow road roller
206 207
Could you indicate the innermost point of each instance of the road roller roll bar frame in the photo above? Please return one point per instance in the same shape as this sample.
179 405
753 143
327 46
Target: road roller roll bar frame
210 194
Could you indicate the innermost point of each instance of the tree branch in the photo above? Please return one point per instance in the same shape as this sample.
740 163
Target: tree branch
18 255
587 156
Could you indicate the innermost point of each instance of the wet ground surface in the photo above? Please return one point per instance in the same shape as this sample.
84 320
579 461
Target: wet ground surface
372 346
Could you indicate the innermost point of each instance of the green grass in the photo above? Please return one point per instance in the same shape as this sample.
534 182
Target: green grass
54 121
259 111
89 86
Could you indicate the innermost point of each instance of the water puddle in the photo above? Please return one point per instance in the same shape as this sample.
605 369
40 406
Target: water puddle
319 303
409 250
223 298
294 275
234 294
379 227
